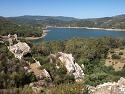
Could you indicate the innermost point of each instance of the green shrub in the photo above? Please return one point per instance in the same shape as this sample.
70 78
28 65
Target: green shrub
69 88
10 55
115 56
69 78
120 53
95 79
29 59
121 48
99 78
121 73
25 90
111 51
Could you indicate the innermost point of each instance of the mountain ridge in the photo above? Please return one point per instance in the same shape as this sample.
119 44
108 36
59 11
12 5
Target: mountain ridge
63 18
114 22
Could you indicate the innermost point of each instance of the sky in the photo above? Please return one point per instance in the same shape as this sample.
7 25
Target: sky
72 8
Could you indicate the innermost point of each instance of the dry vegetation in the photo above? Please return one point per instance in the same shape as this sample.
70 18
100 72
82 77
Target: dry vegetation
34 67
119 63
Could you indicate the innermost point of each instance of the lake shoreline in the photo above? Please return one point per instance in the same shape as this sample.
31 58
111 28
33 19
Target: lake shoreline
35 38
58 34
93 28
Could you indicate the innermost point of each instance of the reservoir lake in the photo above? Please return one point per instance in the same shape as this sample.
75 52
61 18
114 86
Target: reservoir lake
68 33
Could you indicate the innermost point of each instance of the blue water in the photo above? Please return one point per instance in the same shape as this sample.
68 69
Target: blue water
68 33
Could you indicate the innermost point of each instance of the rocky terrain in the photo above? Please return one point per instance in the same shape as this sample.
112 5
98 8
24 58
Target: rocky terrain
58 68
20 49
109 88
69 62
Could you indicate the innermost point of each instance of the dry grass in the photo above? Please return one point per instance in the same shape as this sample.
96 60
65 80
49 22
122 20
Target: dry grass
116 63
35 68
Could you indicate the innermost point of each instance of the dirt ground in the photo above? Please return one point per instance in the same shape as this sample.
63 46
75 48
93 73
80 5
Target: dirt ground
116 63
34 67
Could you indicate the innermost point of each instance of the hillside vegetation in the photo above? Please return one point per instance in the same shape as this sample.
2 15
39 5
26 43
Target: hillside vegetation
116 58
7 27
91 52
115 22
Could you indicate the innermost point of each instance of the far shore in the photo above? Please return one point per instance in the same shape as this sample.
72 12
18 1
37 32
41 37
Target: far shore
45 31
35 38
94 28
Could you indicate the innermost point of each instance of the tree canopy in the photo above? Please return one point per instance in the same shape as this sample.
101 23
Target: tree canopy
7 27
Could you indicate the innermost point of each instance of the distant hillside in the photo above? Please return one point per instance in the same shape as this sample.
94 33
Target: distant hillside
24 21
7 27
52 22
115 22
44 17
41 21
111 22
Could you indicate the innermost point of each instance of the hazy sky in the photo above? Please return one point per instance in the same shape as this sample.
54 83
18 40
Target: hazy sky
71 8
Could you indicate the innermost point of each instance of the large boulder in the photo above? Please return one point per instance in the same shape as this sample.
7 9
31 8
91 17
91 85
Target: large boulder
20 49
69 62
109 88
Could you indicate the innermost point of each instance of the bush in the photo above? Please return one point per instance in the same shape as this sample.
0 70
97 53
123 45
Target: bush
115 56
25 90
29 59
69 88
120 53
121 73
99 78
121 48
95 79
111 51
69 78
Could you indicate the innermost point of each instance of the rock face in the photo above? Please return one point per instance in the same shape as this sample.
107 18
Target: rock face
72 67
109 88
20 49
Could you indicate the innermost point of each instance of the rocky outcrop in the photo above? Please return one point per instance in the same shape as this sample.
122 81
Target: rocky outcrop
44 78
109 88
69 62
20 49
41 75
